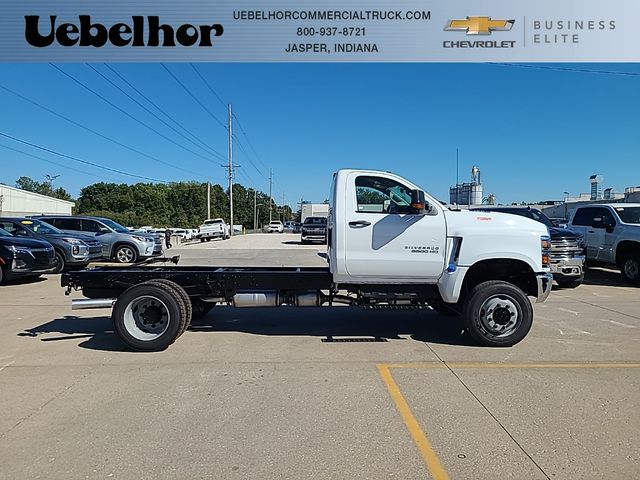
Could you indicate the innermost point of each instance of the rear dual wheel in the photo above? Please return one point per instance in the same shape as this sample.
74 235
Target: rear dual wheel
150 316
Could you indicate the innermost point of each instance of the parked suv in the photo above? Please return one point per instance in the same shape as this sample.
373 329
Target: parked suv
24 257
567 247
118 243
314 229
612 235
71 250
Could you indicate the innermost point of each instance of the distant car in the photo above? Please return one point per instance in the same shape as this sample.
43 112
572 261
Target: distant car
118 243
297 227
24 257
213 228
314 229
71 250
275 226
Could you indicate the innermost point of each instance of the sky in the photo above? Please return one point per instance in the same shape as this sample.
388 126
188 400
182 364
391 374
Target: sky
535 131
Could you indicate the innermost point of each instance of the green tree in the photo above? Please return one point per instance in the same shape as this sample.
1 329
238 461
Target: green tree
43 188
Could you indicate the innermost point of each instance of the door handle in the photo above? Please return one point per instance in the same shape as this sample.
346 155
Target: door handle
590 231
359 223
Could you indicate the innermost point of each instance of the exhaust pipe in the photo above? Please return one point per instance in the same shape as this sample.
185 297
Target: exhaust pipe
89 303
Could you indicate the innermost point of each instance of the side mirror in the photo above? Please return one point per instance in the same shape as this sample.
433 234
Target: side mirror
104 230
418 202
20 233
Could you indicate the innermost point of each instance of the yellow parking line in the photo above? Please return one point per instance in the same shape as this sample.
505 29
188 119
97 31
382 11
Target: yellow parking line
417 434
422 442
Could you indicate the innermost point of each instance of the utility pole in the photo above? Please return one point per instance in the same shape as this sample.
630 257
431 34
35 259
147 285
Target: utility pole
283 211
270 201
230 170
208 200
255 210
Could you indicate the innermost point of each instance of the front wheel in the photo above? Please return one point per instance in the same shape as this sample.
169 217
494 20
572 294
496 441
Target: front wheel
59 268
497 314
630 269
126 254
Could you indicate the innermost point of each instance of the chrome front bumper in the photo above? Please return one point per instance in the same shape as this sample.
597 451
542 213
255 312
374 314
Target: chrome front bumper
545 280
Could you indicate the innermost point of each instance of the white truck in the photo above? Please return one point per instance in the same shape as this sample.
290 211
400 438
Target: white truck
390 245
213 228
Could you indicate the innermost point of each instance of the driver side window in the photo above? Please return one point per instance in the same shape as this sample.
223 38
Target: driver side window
381 195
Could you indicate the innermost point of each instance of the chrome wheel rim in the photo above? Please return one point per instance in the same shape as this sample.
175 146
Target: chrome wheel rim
146 318
499 315
631 268
125 255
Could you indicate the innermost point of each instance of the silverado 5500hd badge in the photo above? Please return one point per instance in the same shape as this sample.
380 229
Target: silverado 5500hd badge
422 249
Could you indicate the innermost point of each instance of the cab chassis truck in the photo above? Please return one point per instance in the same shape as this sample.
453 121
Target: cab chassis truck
390 245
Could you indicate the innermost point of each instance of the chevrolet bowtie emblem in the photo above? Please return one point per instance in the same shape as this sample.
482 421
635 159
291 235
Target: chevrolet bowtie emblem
479 25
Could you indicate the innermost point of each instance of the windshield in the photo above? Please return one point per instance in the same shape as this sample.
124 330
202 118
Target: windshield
4 233
114 225
212 222
629 214
275 223
42 228
315 221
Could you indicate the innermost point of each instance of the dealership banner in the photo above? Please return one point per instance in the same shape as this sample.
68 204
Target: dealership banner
320 31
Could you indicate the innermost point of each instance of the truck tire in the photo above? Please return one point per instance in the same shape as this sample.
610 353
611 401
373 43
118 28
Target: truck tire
180 293
149 317
125 254
60 264
497 314
1 275
630 269
202 240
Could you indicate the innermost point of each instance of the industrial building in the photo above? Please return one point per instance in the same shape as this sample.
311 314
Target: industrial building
313 210
17 203
467 193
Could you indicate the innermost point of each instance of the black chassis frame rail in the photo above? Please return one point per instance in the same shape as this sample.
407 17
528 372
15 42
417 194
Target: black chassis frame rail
111 282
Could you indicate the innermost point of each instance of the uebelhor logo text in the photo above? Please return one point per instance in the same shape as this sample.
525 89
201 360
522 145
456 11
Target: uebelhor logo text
120 34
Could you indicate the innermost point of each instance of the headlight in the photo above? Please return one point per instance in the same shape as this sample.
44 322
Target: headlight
142 239
15 249
73 241
545 244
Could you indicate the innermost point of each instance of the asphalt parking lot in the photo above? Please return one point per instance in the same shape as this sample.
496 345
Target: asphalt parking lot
319 393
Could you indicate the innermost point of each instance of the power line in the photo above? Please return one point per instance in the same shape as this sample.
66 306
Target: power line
145 108
76 159
22 152
194 97
160 109
247 157
209 86
568 69
128 114
84 127
249 141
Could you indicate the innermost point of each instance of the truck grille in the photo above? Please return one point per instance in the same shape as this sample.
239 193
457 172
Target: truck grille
314 231
565 248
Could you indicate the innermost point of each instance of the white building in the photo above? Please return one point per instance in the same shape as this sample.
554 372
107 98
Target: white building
314 210
17 203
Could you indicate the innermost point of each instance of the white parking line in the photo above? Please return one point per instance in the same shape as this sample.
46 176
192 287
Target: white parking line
568 311
7 364
619 324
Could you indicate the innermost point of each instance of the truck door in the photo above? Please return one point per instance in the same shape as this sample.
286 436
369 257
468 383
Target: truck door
384 238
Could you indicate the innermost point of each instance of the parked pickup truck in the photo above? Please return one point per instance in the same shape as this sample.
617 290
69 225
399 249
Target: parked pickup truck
390 246
213 228
612 236
567 247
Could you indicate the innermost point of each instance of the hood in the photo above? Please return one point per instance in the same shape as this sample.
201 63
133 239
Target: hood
79 236
557 232
24 242
464 221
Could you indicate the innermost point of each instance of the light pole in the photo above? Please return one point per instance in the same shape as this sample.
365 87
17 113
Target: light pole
50 179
